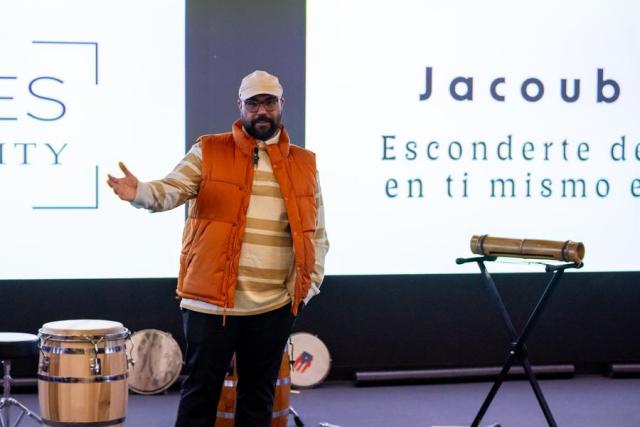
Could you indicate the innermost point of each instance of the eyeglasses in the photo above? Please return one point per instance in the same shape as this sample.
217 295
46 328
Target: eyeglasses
269 105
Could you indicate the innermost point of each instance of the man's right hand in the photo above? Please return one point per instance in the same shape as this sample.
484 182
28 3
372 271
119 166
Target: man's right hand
125 188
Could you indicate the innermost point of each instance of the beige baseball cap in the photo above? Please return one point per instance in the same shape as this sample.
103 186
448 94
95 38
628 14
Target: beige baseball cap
258 83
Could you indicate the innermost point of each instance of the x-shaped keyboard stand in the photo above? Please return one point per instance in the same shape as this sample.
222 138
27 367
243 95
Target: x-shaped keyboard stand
518 349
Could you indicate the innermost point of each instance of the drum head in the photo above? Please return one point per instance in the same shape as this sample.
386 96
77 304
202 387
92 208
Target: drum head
157 361
82 327
311 358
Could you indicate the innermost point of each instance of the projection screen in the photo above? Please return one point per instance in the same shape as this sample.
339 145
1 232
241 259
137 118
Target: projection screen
434 121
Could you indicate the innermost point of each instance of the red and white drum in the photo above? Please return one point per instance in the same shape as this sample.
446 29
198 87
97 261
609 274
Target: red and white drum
311 360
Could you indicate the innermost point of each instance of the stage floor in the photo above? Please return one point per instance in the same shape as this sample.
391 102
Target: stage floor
582 401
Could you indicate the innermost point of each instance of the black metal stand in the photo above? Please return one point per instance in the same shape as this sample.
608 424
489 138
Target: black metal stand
296 417
518 349
7 401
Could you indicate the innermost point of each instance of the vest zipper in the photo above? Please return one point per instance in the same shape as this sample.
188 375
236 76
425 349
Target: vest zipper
256 156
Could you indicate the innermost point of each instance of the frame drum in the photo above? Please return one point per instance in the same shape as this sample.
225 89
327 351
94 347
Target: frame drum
311 360
157 361
82 373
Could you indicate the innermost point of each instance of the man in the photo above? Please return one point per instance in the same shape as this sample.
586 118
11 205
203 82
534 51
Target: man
252 255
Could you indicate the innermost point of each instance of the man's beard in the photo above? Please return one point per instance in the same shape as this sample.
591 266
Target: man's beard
262 133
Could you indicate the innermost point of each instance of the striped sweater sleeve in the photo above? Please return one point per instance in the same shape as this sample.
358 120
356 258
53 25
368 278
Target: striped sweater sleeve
321 246
182 184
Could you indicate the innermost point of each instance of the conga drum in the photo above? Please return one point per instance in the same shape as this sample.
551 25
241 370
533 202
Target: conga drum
157 361
82 373
311 360
227 403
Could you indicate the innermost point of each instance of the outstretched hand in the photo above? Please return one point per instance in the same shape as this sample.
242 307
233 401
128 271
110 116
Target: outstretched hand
125 188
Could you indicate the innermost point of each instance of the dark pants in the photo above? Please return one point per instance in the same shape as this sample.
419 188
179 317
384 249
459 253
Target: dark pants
258 342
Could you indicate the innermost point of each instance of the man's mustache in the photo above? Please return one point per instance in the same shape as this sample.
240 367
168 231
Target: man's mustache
262 119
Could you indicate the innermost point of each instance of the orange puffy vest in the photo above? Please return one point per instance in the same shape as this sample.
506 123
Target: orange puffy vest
214 229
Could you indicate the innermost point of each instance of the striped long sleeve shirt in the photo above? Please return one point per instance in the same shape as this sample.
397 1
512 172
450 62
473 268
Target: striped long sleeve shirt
266 273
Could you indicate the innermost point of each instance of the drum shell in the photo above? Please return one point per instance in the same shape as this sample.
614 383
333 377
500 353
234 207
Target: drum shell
70 393
227 402
282 394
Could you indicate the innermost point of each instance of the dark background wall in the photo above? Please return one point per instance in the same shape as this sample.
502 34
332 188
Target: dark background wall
227 40
367 322
383 322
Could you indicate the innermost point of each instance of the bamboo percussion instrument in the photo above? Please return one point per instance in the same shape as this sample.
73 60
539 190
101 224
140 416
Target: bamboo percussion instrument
567 251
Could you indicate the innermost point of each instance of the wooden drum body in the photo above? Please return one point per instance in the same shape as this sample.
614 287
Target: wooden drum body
82 373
